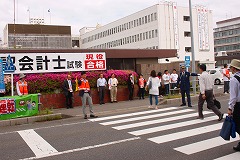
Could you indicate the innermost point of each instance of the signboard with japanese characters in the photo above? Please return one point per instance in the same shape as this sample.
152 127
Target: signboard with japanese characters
56 62
16 106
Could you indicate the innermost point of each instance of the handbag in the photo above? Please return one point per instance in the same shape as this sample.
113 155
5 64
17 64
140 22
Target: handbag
228 129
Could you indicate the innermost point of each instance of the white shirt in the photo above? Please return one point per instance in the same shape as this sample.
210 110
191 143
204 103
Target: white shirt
224 77
101 82
112 82
174 77
205 82
70 85
166 78
155 84
234 91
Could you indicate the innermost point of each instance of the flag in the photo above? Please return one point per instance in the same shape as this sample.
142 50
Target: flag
76 80
48 10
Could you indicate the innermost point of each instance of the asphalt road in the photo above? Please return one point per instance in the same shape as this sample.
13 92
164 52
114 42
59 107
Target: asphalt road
171 133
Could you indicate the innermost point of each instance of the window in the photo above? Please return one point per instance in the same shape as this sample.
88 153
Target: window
213 71
152 33
155 16
134 23
151 17
140 21
187 34
140 36
187 49
148 18
144 36
145 19
156 32
186 18
137 21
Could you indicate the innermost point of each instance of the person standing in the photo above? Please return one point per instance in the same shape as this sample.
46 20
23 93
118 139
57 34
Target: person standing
160 88
112 84
152 85
173 79
84 93
141 85
226 79
166 81
101 84
21 85
130 84
206 93
184 81
234 101
68 91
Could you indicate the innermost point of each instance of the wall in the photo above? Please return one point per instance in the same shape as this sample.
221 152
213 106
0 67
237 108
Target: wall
58 100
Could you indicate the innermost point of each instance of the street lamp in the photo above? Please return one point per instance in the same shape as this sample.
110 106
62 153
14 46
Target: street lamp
192 48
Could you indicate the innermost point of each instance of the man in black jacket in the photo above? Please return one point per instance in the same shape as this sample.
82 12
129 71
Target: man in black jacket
68 91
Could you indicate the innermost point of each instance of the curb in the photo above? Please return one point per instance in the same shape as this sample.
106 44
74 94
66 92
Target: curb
29 120
193 98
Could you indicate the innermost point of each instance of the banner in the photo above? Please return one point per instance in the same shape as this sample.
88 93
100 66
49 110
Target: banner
2 84
175 25
18 106
56 62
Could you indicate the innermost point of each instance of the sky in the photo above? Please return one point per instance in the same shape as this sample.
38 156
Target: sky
79 13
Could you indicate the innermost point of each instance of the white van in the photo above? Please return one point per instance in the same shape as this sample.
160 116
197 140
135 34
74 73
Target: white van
217 75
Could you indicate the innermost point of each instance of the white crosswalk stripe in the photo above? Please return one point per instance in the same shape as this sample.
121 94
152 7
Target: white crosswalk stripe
168 116
234 156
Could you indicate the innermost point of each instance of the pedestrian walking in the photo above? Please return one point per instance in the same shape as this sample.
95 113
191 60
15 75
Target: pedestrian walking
184 82
141 85
68 91
85 94
152 85
112 85
206 93
22 85
234 101
130 83
226 79
166 81
101 84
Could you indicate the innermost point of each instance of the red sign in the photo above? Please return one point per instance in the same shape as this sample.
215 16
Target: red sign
94 64
7 106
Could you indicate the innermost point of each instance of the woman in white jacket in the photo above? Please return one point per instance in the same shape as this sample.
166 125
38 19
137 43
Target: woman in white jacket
152 85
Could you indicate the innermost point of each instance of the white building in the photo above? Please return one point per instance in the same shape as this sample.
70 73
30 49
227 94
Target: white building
162 26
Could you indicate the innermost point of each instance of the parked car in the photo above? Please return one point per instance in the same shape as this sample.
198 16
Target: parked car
217 75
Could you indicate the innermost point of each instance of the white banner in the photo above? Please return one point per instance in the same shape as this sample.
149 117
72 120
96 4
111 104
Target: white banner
56 62
203 35
175 24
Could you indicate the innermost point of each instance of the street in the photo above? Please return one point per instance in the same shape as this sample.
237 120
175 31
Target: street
171 132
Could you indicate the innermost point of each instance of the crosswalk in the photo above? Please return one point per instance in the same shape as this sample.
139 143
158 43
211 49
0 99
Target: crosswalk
156 126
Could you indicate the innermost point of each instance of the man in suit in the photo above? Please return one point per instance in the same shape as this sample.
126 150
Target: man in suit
68 91
184 81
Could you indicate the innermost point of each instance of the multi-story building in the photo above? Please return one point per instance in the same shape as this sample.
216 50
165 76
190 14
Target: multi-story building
37 36
227 40
162 26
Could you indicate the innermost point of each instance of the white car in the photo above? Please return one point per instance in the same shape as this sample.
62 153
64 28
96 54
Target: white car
217 75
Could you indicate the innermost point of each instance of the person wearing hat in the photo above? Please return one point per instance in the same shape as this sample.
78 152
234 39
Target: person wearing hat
184 82
21 85
234 101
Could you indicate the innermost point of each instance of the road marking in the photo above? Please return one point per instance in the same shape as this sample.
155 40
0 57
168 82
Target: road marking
185 134
233 156
140 124
84 148
36 143
171 126
145 117
203 145
133 114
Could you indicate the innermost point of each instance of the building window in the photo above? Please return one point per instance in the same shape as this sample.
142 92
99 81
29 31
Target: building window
145 19
156 32
148 18
152 33
151 17
187 49
140 36
142 20
146 35
155 16
143 36
150 36
186 18
137 21
187 34
134 23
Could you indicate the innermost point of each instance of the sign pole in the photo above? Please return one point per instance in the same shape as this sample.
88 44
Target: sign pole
12 83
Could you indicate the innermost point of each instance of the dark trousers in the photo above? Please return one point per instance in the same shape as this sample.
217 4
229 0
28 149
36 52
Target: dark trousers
101 94
130 92
210 103
141 93
236 116
188 97
69 100
166 88
226 87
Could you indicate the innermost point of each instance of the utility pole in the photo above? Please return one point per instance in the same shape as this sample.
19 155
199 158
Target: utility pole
192 48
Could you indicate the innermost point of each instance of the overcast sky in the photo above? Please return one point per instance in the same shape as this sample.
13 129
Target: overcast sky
80 13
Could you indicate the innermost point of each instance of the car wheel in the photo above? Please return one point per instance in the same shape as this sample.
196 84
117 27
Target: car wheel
217 81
